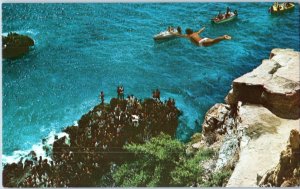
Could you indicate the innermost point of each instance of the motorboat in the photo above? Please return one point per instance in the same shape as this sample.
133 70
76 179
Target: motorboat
222 18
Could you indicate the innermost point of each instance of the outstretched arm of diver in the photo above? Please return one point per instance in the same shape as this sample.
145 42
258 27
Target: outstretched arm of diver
201 30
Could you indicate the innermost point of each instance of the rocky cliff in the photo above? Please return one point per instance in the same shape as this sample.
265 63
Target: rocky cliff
92 148
287 171
274 84
250 131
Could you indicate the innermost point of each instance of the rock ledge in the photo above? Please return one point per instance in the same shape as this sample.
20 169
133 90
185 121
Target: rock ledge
274 84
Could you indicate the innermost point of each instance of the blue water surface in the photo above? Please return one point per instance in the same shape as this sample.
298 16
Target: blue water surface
84 48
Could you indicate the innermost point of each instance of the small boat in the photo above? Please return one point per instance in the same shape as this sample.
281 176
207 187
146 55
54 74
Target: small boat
222 18
164 35
277 8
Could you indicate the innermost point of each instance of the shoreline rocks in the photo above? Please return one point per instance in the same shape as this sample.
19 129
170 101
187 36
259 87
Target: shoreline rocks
15 45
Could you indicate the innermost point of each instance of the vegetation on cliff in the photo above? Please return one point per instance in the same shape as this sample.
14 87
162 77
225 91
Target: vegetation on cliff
163 161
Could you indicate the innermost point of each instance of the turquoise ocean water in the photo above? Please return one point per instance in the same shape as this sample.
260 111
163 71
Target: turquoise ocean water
84 48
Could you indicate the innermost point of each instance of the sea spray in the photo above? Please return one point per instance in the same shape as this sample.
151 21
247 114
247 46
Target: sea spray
43 149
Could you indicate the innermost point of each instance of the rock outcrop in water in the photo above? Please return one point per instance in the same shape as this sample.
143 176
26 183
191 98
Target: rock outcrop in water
15 45
251 130
95 146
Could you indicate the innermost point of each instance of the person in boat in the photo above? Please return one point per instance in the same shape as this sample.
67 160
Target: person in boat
277 6
272 9
220 15
287 4
195 38
227 12
179 30
170 28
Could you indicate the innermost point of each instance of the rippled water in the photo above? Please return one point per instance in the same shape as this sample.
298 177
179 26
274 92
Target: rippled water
84 48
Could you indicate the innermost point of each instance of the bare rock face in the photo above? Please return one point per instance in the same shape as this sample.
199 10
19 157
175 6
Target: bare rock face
287 172
274 84
213 124
228 153
294 140
219 129
263 136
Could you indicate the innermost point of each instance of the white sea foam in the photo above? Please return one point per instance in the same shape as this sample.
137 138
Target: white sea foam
43 148
31 33
24 32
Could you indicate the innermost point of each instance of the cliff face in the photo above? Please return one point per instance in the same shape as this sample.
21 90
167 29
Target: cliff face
251 130
274 84
262 137
287 171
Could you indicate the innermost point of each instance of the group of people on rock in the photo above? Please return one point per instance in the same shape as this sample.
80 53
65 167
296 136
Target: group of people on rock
120 92
156 94
98 140
38 173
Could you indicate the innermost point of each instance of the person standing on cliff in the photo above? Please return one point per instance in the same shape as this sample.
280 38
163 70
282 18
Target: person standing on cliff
119 92
122 92
195 38
153 95
102 97
158 94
